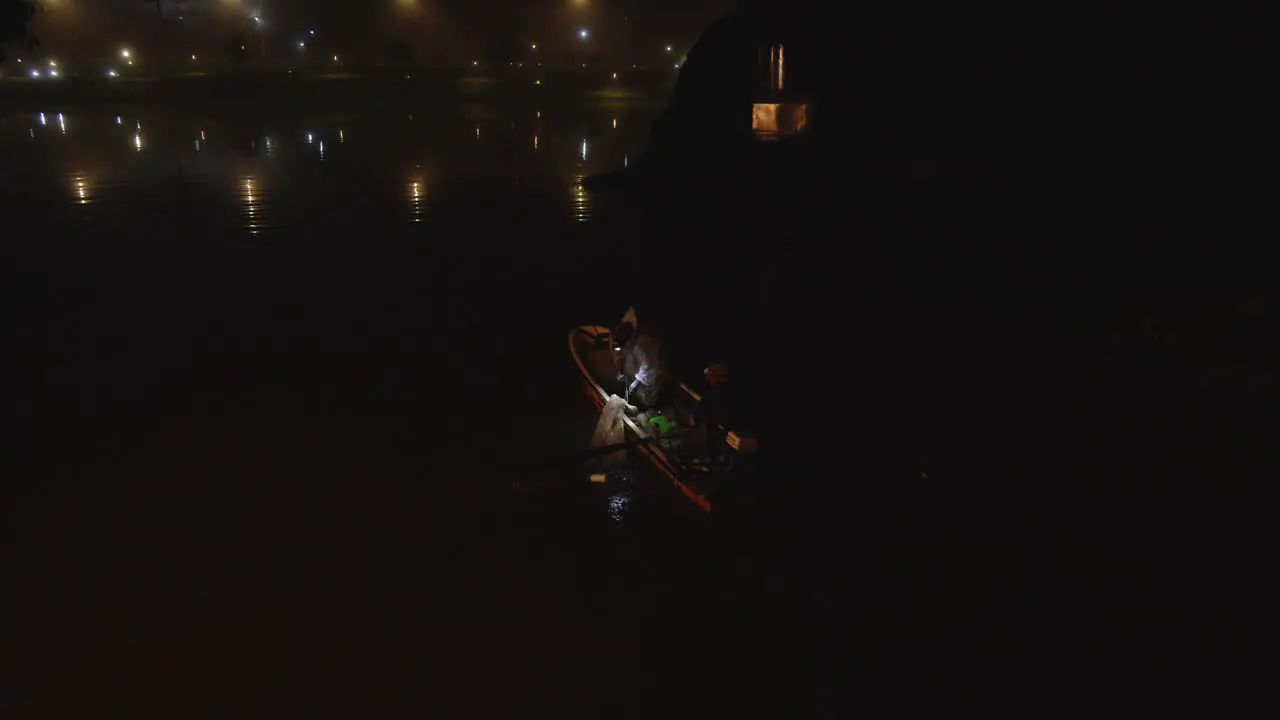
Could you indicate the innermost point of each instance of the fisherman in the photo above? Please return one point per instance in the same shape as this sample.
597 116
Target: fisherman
638 355
710 421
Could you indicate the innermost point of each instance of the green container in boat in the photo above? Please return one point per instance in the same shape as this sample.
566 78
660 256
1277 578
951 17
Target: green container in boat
664 425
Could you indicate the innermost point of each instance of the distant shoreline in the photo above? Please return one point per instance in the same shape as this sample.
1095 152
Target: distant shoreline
634 88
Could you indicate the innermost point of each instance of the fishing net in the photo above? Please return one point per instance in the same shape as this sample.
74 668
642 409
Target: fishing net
611 431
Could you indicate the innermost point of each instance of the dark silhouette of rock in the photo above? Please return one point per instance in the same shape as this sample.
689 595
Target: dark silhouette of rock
708 125
981 178
1007 99
704 117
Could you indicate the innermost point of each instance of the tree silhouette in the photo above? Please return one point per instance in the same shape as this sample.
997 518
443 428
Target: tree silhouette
14 16
401 53
159 9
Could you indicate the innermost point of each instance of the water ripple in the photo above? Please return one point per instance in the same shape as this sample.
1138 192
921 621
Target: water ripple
277 173
256 207
415 193
580 208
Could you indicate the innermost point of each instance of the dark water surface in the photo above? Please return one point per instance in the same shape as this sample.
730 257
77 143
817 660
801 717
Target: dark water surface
272 376
290 424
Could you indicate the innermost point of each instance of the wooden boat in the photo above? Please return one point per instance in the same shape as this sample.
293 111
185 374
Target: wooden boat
591 348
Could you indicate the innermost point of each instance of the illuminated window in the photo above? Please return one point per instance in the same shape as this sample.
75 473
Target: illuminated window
773 120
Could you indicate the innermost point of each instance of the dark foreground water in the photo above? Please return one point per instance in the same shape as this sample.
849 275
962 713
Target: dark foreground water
273 376
272 370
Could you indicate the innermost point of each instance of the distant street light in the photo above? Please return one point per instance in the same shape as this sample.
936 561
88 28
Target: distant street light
584 33
262 39
125 53
534 46
668 48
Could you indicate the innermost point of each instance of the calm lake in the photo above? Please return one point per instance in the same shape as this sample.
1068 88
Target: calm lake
291 424
274 370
